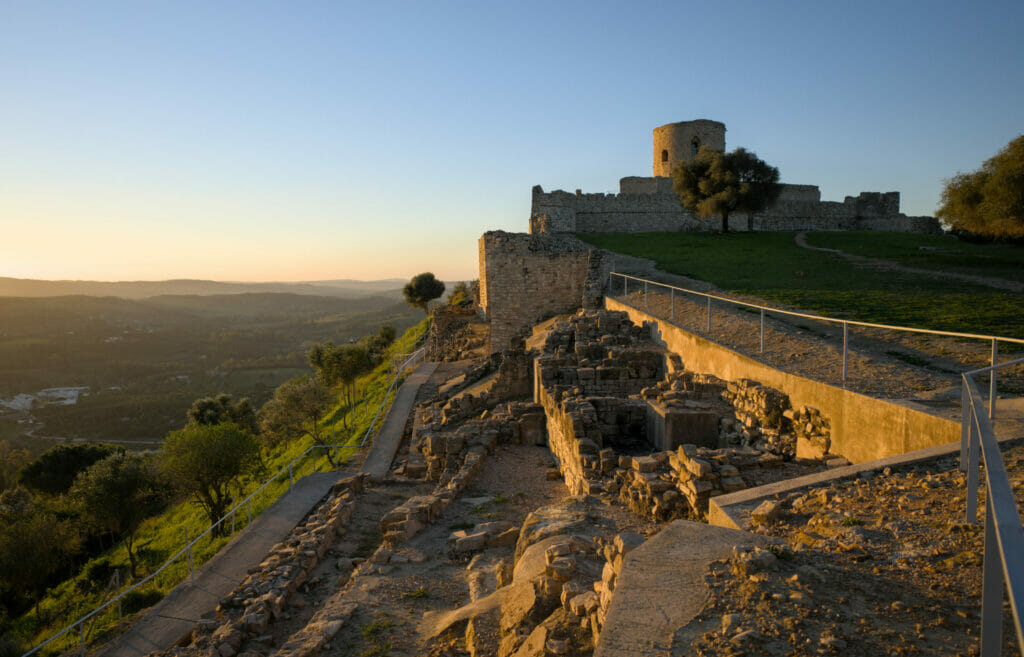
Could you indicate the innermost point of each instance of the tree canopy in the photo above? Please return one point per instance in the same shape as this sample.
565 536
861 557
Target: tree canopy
297 407
989 201
54 471
422 289
718 184
209 462
214 410
118 493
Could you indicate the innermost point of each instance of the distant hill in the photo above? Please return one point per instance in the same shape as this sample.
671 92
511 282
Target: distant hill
27 287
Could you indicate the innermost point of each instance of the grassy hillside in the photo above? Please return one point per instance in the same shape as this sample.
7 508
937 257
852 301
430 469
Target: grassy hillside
164 535
773 267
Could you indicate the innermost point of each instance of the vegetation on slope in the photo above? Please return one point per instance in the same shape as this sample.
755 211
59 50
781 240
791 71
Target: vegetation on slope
162 536
773 267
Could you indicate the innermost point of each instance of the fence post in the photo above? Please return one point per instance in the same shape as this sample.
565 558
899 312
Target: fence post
965 418
264 489
645 294
709 316
233 507
762 330
117 578
191 571
991 588
672 294
248 508
846 335
992 383
81 638
972 469
625 286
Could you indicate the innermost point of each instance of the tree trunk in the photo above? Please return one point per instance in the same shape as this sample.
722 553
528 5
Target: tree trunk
725 222
131 556
750 222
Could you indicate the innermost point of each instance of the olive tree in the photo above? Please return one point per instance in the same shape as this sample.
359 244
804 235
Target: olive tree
718 184
214 410
117 494
210 462
298 407
422 289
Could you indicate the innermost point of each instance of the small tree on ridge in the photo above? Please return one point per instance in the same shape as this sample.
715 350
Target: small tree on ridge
422 289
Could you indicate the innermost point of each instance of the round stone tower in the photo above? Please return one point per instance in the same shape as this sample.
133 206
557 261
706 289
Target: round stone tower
678 142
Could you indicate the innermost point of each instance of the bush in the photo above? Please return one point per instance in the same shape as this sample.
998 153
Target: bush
10 648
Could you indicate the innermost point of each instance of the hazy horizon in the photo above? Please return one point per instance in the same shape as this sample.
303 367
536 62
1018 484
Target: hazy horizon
266 142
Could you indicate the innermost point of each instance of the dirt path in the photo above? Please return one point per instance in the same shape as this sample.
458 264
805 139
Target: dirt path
889 265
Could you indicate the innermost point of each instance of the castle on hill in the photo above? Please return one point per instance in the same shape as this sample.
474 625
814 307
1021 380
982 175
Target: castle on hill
649 204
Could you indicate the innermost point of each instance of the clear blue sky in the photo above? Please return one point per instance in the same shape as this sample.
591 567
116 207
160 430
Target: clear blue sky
312 140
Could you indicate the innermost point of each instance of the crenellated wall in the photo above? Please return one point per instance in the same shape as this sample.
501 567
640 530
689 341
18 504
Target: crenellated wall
650 205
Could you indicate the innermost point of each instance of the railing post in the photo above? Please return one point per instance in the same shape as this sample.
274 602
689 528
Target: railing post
248 508
973 438
846 335
645 294
709 316
762 330
191 571
672 314
625 287
991 589
81 638
264 507
965 419
117 578
233 516
291 477
992 383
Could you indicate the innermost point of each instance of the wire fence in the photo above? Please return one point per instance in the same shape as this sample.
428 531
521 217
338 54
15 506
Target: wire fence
244 510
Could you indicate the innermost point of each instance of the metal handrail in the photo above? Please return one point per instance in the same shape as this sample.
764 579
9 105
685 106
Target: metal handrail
412 360
846 323
1004 534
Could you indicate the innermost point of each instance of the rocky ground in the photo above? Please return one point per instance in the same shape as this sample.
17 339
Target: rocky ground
883 564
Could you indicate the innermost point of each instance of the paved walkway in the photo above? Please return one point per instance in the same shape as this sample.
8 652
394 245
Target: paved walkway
378 462
176 615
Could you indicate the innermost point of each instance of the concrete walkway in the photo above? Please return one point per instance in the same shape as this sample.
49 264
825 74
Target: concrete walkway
662 588
175 616
378 462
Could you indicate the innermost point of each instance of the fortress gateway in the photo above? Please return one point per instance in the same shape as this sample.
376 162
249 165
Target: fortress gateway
650 204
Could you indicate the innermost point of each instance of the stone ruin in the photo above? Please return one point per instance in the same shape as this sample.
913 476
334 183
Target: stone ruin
626 418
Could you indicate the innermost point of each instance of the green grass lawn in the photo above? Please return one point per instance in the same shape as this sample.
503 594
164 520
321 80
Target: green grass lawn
162 536
771 266
997 260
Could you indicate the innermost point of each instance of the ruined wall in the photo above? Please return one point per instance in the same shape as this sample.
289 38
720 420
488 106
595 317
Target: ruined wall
650 205
528 278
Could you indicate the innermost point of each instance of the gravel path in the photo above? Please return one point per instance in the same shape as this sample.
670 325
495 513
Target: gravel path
880 565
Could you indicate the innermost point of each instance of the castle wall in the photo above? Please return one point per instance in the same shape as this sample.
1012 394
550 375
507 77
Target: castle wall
528 278
650 205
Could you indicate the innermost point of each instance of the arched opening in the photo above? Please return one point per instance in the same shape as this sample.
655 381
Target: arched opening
664 156
695 146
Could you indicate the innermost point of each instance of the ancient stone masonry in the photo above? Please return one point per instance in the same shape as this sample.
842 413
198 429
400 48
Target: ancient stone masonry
452 335
651 205
623 418
265 593
525 279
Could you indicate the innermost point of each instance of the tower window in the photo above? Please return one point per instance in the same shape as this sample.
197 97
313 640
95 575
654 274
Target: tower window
664 156
695 145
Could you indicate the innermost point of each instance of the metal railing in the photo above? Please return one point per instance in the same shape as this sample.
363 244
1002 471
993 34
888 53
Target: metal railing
764 310
186 552
1004 533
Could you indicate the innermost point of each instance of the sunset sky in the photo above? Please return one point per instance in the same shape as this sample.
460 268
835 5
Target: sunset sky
291 141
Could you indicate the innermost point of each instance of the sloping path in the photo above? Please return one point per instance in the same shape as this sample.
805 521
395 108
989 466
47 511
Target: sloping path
174 616
879 263
378 462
